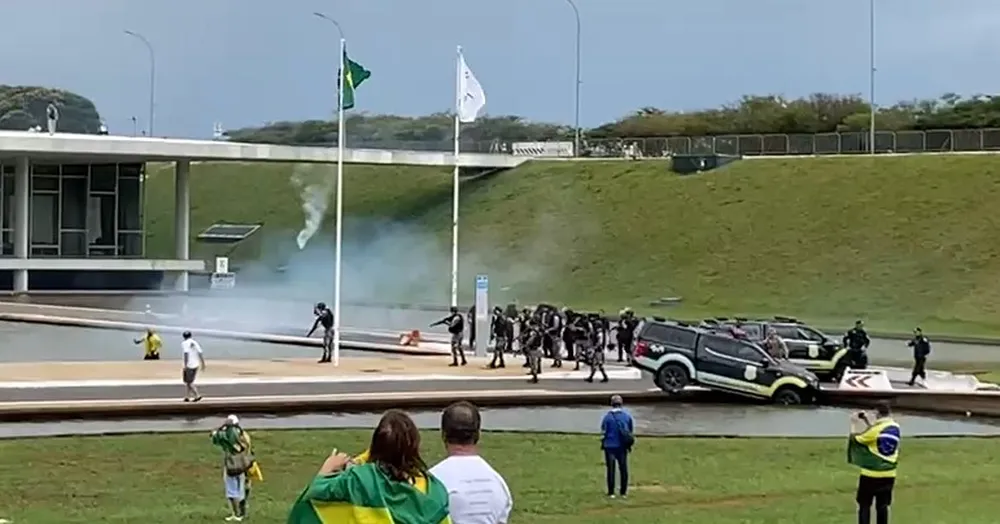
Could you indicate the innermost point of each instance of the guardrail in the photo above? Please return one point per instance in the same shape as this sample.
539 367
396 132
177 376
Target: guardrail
853 142
931 141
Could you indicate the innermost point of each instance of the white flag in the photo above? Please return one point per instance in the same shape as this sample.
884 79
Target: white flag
471 98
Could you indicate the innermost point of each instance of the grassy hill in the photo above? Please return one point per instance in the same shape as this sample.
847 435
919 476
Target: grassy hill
899 241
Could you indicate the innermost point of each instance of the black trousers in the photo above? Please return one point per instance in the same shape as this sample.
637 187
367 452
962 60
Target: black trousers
919 369
879 491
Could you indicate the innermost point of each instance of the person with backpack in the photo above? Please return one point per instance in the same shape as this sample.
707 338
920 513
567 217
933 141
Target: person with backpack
617 439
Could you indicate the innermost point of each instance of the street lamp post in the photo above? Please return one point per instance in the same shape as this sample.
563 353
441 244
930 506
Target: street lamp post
332 21
576 140
871 75
152 75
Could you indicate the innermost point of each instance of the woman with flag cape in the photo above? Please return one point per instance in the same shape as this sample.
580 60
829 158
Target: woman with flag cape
387 484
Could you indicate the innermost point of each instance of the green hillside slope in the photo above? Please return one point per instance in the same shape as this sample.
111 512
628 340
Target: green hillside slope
896 240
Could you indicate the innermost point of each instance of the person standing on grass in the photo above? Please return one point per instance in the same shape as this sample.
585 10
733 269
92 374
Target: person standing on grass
617 439
875 451
235 442
477 494
194 361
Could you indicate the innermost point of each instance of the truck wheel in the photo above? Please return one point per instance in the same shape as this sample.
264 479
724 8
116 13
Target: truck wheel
787 396
672 378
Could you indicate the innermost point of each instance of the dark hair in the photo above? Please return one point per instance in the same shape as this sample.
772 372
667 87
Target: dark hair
883 409
395 447
461 424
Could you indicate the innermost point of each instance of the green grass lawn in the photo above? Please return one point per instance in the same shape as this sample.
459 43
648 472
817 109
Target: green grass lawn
555 479
898 241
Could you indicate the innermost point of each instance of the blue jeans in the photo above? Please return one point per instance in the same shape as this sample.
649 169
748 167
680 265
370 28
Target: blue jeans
617 456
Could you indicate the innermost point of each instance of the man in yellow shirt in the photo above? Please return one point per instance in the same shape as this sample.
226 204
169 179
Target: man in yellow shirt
152 344
876 452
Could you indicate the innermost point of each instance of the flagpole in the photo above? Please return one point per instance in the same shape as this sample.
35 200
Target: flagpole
340 206
454 203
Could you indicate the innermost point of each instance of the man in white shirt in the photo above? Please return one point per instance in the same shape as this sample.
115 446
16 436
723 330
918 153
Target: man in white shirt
477 494
194 360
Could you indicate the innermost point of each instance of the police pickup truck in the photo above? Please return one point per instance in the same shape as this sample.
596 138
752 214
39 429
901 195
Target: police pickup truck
807 346
679 354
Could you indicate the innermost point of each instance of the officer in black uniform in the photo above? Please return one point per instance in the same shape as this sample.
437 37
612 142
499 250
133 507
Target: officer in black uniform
470 318
856 341
325 317
533 349
501 332
624 332
580 327
523 322
605 327
921 348
456 326
553 336
596 348
569 334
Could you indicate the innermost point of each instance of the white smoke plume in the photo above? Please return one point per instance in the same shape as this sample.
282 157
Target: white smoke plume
315 184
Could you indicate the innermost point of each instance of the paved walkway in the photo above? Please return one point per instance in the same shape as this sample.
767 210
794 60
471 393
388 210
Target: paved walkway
247 369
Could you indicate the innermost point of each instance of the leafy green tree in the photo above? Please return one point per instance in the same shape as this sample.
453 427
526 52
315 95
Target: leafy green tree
24 106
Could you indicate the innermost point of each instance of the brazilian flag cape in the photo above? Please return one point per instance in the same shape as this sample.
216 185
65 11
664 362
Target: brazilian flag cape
363 494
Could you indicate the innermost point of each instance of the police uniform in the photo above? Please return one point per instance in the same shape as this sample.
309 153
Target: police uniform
595 353
625 333
324 317
456 326
553 336
856 341
569 336
500 328
921 348
533 350
876 452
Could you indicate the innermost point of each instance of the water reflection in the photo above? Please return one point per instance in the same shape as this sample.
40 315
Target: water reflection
659 419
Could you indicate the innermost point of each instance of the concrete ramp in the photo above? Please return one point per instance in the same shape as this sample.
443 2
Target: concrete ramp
865 380
936 380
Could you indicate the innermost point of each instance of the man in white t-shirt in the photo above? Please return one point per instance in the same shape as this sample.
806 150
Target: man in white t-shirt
194 360
477 494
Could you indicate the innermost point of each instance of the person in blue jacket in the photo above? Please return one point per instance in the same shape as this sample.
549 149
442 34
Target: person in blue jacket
617 439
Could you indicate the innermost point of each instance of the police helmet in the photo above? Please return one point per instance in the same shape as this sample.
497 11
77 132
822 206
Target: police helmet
320 305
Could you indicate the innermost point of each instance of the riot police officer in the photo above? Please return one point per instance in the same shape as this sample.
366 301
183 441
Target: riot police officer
523 321
501 331
569 334
596 348
921 348
856 341
625 331
456 325
533 349
582 338
553 327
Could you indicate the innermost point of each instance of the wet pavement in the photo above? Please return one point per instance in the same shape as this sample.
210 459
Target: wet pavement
40 343
659 419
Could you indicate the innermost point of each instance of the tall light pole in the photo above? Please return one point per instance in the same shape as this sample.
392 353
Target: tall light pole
332 21
152 75
576 141
871 75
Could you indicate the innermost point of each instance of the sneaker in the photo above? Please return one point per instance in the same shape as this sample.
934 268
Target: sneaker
196 399
233 518
611 496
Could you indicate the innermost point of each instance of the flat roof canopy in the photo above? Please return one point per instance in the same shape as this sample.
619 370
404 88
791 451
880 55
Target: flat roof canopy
67 148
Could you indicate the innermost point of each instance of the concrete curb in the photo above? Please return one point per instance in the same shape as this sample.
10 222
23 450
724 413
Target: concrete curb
221 334
962 403
41 411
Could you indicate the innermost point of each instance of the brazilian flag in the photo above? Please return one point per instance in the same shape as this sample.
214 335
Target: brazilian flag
356 75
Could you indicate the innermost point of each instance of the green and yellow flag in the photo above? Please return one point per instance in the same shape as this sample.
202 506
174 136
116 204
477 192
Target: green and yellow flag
363 494
356 74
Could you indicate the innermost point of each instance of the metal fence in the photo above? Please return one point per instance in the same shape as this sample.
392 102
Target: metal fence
933 141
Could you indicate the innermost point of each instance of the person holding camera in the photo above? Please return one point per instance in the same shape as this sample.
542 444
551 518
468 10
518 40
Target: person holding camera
875 451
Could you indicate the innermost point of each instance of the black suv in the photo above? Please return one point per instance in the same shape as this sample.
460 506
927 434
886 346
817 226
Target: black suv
679 354
807 346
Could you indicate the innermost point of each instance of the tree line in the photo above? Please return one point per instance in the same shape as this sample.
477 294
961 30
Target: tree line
23 107
817 113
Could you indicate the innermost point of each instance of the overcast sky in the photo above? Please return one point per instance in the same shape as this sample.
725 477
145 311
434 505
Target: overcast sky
245 62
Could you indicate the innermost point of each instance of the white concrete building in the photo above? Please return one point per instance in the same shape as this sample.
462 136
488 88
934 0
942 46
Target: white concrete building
72 204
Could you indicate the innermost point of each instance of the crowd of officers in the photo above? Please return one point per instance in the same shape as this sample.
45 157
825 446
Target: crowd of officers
545 332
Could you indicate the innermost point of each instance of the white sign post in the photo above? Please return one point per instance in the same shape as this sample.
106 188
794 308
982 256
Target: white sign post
482 313
222 278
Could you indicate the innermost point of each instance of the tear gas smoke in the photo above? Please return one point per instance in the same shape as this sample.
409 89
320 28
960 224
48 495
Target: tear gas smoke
315 185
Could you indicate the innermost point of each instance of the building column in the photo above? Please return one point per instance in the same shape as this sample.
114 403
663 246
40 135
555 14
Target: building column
22 220
182 219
